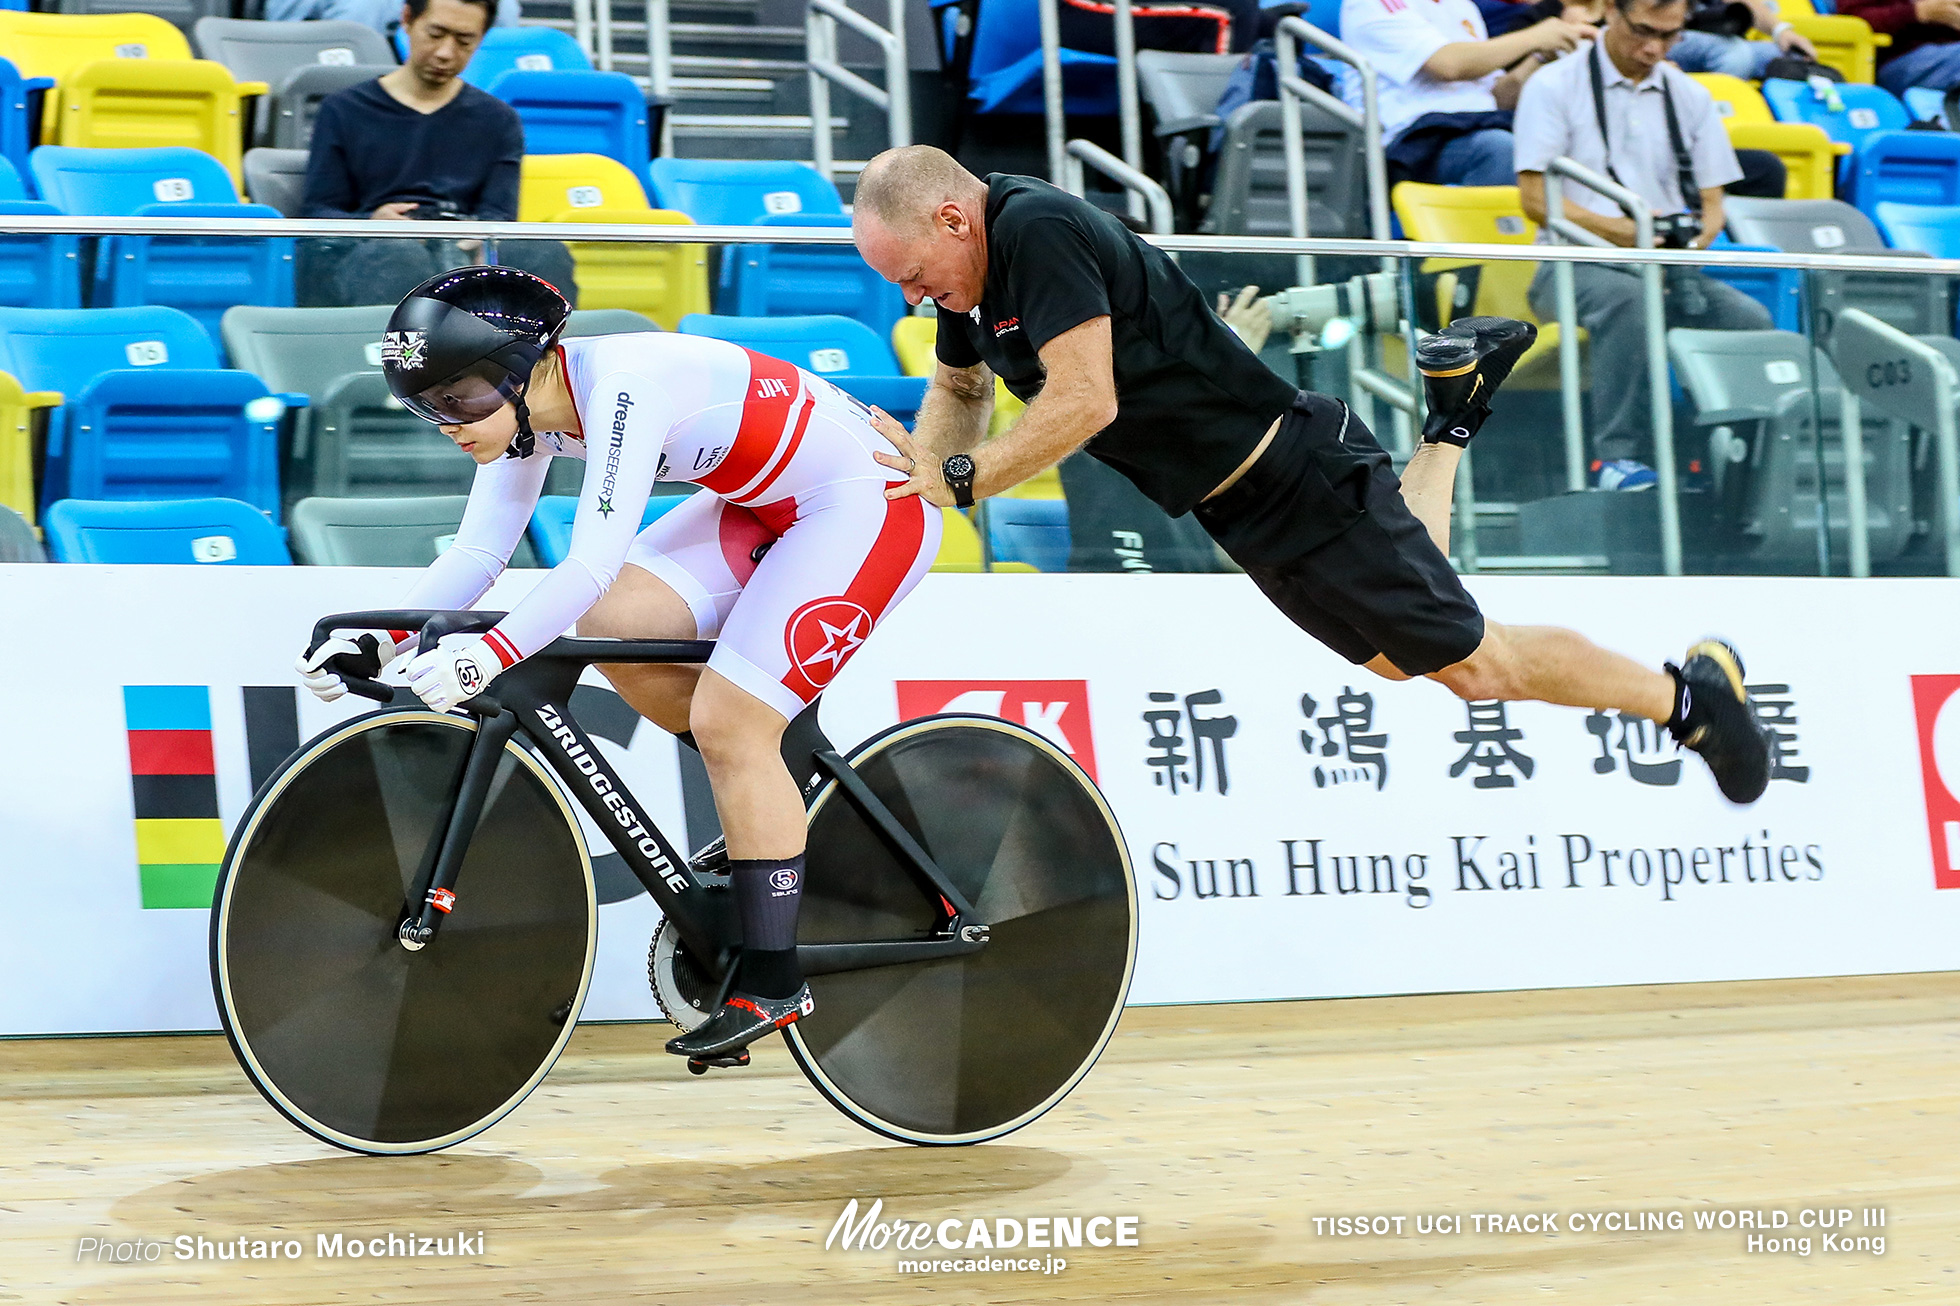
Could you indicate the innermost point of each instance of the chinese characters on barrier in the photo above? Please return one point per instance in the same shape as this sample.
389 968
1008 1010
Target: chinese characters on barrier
1188 735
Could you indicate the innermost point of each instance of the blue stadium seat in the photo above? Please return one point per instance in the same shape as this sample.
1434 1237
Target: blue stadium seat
739 192
551 522
1930 228
165 530
1866 111
578 111
37 271
1033 531
147 413
1906 168
201 275
763 280
535 49
19 112
845 352
1004 74
116 183
1780 290
1926 104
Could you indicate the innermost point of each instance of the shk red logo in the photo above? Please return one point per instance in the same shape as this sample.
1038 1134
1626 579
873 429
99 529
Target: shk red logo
1936 704
1058 710
823 634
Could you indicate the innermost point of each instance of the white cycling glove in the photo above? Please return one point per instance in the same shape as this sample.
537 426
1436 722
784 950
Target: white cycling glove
444 677
362 656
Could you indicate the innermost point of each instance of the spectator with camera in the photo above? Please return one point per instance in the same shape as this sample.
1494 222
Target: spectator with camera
417 142
1620 109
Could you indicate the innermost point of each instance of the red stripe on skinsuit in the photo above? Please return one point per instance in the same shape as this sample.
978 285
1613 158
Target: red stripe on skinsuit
773 387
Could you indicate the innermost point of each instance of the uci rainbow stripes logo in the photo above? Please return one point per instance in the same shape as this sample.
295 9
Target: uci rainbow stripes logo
173 781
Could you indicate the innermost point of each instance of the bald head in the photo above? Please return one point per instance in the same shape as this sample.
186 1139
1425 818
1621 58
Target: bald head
904 188
919 219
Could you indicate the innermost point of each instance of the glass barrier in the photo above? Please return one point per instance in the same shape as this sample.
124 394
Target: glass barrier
1792 414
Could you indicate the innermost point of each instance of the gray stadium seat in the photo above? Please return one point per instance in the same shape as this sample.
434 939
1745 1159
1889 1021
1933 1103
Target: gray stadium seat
1915 305
276 177
17 542
183 13
356 439
1248 196
1758 387
400 532
296 100
1182 91
271 52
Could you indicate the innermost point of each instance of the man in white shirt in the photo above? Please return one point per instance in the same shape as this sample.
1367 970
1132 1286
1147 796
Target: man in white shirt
1446 88
1559 115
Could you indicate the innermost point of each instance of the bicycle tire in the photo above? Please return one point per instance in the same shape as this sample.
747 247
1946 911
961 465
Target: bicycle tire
353 1038
965 1049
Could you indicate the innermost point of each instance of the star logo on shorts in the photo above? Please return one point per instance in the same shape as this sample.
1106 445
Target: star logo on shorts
823 635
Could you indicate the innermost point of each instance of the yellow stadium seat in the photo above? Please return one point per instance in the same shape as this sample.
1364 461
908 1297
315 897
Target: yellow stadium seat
1484 215
141 103
1809 156
959 544
1845 43
550 184
53 45
17 408
913 338
666 282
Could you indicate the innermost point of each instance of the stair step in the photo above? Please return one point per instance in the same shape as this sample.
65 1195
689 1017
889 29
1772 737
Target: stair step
724 85
719 34
748 124
710 65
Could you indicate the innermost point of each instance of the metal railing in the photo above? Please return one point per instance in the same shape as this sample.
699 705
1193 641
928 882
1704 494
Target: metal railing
1653 311
1139 185
660 70
820 19
1129 111
1293 89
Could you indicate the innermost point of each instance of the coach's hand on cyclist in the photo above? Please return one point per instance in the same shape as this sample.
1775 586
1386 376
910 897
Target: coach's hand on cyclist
921 469
326 670
445 677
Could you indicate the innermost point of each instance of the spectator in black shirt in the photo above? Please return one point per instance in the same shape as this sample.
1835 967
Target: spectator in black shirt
417 142
1116 352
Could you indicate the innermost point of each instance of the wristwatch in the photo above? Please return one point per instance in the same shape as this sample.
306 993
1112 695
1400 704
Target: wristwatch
958 471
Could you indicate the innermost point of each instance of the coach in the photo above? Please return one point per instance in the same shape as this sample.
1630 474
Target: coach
1113 348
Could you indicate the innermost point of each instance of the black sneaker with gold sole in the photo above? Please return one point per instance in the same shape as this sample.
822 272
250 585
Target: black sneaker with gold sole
1462 365
1714 716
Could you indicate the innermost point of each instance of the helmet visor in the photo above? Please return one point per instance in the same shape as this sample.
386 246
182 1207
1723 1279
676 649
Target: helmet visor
468 397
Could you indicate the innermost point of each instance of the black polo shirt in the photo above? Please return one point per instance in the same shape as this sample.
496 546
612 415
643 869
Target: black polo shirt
1192 402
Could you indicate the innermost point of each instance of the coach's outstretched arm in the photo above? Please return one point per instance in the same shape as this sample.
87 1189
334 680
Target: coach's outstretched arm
1077 400
954 414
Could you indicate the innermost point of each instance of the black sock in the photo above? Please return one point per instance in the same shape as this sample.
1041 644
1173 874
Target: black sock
1677 721
767 894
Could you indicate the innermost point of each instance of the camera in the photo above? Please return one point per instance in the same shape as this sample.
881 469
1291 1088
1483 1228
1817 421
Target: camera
1677 230
439 211
1369 304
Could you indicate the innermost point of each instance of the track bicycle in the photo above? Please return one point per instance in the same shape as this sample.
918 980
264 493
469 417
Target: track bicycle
404 926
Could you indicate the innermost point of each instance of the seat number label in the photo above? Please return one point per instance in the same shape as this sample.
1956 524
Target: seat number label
171 190
585 197
146 353
829 360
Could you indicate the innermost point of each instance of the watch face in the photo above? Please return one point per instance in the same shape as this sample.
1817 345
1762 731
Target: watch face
958 467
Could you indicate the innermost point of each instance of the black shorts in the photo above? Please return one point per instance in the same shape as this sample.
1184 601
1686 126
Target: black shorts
1320 526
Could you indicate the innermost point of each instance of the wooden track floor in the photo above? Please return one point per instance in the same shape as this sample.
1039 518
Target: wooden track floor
1227 1129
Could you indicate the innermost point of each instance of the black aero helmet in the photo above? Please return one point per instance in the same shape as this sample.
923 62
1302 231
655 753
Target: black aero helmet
463 343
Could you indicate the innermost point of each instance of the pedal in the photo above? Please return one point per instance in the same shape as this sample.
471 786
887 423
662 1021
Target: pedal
726 1061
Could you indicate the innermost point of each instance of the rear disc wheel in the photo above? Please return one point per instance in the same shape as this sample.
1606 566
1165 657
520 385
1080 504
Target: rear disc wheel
968 1048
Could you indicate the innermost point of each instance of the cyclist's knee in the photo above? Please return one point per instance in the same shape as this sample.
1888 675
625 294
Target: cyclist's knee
730 724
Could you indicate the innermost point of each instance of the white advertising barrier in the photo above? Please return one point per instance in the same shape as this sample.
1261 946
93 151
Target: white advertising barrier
1299 827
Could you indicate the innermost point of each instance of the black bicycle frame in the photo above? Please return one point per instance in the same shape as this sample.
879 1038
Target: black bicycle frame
532 697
